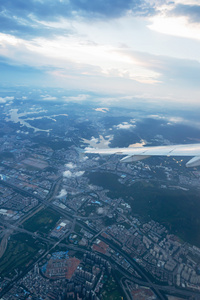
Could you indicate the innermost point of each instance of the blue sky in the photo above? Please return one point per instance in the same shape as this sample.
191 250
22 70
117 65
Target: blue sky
131 48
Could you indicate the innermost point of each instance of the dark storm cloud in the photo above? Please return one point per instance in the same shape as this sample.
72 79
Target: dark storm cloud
20 17
190 11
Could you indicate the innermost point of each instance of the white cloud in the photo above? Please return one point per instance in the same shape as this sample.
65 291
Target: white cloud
94 140
171 120
85 158
100 142
63 193
69 174
175 25
124 125
70 165
81 97
78 174
48 97
156 117
5 99
23 132
102 109
188 2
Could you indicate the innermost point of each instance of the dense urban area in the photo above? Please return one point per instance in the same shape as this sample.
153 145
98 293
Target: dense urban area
68 226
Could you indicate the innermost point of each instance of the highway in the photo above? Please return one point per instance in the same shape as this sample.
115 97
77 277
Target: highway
145 281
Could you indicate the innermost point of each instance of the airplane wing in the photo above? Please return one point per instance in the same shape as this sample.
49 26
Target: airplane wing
136 154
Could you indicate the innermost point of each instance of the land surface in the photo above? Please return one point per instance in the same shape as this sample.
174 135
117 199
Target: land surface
88 225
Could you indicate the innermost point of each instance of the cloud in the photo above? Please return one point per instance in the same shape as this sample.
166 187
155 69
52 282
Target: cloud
102 109
48 98
188 10
27 10
79 173
125 125
109 8
27 22
171 70
40 17
2 100
70 165
73 62
22 132
84 158
81 97
178 18
20 17
5 99
69 174
62 193
95 46
94 140
171 120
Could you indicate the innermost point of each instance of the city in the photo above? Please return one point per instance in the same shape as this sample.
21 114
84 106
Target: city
70 237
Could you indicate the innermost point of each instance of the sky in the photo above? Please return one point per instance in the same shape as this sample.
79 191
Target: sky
146 49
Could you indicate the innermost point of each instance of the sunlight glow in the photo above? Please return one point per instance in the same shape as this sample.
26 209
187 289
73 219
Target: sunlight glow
107 60
176 26
8 39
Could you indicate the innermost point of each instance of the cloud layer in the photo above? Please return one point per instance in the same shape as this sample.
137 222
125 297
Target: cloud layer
124 48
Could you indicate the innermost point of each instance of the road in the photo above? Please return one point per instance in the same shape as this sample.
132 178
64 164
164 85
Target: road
52 193
75 219
4 242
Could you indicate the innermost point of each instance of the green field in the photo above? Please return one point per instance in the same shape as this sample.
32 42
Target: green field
43 221
21 251
178 210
